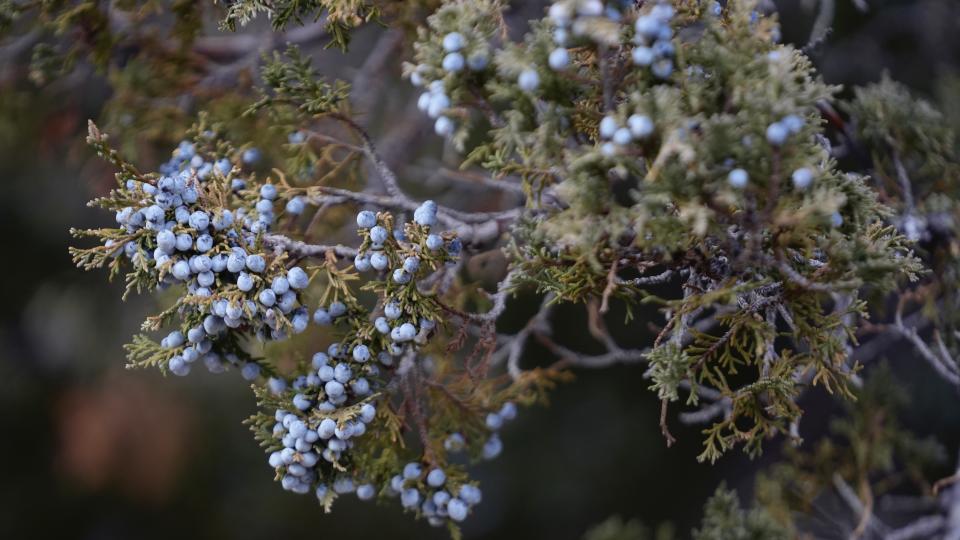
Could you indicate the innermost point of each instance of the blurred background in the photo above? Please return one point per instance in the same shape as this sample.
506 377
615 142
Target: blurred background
90 450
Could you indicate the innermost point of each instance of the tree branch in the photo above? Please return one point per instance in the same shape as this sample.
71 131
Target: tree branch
281 244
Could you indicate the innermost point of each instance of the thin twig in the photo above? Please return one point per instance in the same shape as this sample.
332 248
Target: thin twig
657 279
925 527
821 25
906 187
664 428
535 325
940 364
860 509
300 249
722 407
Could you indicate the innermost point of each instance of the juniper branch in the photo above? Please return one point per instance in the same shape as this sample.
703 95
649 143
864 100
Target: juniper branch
299 249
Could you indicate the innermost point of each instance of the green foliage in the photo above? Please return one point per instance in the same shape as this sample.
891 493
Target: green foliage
916 166
766 260
724 520
9 12
894 125
438 395
294 83
615 528
868 449
481 24
339 17
67 32
144 51
294 97
669 367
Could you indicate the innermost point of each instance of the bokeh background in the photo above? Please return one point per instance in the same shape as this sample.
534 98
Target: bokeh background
89 450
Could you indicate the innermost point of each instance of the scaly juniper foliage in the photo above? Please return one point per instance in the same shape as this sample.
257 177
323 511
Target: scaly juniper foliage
666 153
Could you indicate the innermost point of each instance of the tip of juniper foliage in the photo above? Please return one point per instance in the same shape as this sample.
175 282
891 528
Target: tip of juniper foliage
93 133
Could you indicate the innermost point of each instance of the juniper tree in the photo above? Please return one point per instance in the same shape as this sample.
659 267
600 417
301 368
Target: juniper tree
632 154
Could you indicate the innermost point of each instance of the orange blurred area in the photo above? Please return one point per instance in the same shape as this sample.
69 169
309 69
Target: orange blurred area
124 434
